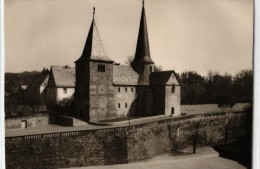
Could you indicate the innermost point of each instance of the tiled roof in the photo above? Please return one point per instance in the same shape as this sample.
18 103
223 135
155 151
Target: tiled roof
37 80
124 75
64 76
142 53
162 77
93 49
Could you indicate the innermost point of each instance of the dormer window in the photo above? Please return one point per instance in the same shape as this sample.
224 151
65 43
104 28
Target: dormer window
101 68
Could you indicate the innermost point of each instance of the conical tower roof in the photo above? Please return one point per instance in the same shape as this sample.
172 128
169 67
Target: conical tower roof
142 53
93 49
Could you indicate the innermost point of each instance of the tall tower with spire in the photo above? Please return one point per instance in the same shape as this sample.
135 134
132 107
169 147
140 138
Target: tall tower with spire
142 62
94 93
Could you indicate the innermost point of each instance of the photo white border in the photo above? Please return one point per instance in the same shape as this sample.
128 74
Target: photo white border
256 110
2 70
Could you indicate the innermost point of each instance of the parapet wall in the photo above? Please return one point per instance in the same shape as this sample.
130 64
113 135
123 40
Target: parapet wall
118 145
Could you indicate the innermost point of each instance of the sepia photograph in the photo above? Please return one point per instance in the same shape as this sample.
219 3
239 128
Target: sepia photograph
128 84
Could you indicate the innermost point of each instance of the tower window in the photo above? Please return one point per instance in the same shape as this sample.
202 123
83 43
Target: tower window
118 105
172 110
119 89
64 90
101 68
132 89
126 89
151 68
173 88
125 105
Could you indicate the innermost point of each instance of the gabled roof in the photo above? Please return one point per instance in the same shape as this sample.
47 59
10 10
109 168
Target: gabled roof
124 75
38 79
93 49
62 76
142 53
164 78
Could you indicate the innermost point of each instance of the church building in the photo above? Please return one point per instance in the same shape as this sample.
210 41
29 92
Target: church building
106 90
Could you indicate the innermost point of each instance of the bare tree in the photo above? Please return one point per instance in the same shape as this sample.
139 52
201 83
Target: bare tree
195 137
129 60
227 131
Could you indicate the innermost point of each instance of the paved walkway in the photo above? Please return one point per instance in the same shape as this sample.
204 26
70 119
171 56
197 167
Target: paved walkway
206 158
49 129
55 128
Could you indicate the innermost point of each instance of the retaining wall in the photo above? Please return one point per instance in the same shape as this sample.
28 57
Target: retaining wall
118 145
32 121
212 108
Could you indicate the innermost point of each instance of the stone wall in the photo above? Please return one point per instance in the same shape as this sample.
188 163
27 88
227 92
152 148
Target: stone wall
172 137
120 144
32 121
211 108
97 147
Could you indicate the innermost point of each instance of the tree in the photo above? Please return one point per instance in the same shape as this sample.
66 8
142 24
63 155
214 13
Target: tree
193 87
129 60
227 131
195 137
243 86
219 88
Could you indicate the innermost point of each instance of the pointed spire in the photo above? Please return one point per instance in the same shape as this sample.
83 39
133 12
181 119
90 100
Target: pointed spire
142 53
93 49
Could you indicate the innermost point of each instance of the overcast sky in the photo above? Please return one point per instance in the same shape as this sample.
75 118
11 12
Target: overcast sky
198 35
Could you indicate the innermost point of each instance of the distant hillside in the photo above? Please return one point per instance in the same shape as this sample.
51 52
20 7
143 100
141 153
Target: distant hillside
12 80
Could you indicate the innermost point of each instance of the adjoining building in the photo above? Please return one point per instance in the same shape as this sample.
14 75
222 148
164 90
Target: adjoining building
106 90
61 85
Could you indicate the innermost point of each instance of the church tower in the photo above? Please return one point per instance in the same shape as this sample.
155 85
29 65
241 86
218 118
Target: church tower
94 93
142 62
144 66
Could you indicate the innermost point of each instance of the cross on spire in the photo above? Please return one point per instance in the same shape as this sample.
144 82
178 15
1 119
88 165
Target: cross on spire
93 12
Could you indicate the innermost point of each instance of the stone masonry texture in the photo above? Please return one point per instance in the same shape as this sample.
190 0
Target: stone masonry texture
124 144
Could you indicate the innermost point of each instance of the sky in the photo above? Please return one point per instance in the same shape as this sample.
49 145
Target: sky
198 35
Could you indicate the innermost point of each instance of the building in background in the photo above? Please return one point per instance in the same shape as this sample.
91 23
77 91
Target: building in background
61 85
